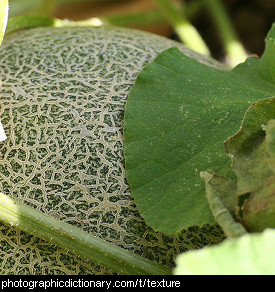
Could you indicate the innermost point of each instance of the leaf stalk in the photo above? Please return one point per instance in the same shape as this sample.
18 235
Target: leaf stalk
235 52
75 240
187 33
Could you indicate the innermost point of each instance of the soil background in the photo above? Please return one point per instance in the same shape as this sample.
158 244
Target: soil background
252 19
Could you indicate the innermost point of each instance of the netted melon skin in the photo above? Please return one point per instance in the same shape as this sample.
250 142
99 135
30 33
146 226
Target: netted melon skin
62 104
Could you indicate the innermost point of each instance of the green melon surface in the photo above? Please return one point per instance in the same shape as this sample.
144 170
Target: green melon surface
62 103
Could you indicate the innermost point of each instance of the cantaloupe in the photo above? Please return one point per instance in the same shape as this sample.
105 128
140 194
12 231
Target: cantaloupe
62 102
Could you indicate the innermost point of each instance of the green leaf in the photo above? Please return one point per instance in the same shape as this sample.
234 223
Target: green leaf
251 254
177 116
29 21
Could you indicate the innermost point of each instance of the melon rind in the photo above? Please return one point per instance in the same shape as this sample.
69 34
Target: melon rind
62 105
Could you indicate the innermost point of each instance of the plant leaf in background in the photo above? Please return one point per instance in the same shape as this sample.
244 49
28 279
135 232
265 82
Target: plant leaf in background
220 193
259 208
270 144
4 10
31 7
246 255
267 63
177 116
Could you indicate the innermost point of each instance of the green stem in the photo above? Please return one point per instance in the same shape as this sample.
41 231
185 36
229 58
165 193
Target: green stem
4 4
184 29
73 239
234 49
